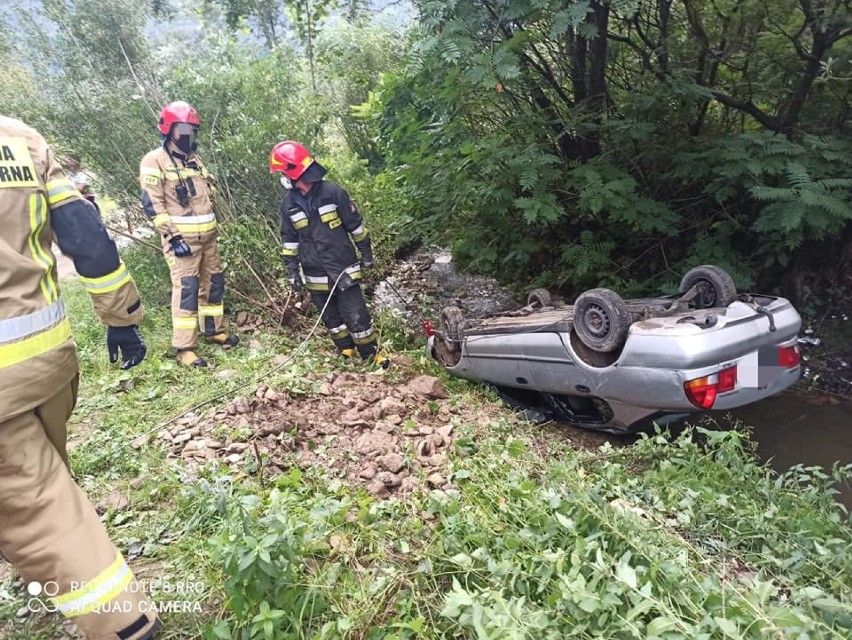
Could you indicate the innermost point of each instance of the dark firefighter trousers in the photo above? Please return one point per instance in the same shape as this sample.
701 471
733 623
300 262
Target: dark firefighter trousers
347 320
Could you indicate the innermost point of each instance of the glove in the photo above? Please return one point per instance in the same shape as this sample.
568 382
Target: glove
130 341
366 263
180 247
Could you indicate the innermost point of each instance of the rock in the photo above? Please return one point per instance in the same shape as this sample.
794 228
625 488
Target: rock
182 437
446 431
438 460
349 403
371 397
402 361
436 480
140 441
254 344
388 479
394 419
428 386
425 430
274 429
115 501
280 359
236 447
373 442
261 391
369 472
241 404
391 406
242 318
136 483
195 445
23 612
385 427
214 444
409 484
325 389
234 458
436 441
344 380
377 488
165 435
272 395
423 448
224 374
392 462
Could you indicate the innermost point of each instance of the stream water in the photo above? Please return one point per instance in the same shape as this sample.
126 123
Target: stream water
794 427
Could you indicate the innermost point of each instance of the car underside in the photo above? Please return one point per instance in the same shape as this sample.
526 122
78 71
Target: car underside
620 365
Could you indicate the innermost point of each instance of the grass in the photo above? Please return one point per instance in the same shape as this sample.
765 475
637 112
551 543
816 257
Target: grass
673 537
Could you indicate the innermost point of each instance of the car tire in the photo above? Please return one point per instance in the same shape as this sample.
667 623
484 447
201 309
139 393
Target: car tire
717 288
451 321
539 299
601 320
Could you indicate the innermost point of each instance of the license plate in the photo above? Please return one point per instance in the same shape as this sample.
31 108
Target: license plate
759 368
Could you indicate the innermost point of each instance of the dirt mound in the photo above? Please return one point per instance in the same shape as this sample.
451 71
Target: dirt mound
391 438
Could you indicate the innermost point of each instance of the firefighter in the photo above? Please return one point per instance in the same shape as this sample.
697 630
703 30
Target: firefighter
48 529
81 181
317 219
177 197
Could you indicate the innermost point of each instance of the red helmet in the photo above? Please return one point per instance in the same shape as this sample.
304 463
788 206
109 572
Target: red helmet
177 112
295 162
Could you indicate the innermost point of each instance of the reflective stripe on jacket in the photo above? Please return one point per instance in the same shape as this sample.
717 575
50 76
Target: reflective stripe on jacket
38 204
162 177
315 232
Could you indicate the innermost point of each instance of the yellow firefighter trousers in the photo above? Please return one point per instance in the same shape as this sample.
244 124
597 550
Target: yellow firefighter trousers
53 536
198 287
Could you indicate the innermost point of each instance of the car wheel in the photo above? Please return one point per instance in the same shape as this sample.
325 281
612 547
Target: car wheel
451 321
715 287
539 298
601 320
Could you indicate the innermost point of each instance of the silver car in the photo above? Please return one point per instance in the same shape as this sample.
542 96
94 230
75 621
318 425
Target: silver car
620 365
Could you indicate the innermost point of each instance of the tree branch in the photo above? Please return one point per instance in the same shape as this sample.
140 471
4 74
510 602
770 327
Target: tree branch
773 124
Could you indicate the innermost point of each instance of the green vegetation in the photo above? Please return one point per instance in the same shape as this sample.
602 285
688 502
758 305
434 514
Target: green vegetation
675 536
565 143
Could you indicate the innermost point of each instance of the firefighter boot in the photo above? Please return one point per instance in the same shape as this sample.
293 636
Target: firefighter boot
223 340
188 358
380 360
348 353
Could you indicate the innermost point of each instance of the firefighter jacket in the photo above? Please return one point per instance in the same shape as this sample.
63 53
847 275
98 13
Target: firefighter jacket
315 230
38 204
177 194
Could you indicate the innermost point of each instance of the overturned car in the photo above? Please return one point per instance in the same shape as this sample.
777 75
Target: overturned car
621 365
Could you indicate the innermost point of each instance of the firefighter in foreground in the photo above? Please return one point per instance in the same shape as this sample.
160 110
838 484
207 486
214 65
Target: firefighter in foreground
317 219
48 529
177 197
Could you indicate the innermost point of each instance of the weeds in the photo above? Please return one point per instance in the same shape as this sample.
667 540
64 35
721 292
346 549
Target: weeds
673 537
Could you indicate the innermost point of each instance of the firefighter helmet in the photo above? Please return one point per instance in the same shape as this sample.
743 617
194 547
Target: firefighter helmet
175 112
295 161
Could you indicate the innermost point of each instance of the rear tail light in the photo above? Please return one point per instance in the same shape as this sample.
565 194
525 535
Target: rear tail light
702 391
427 327
789 356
